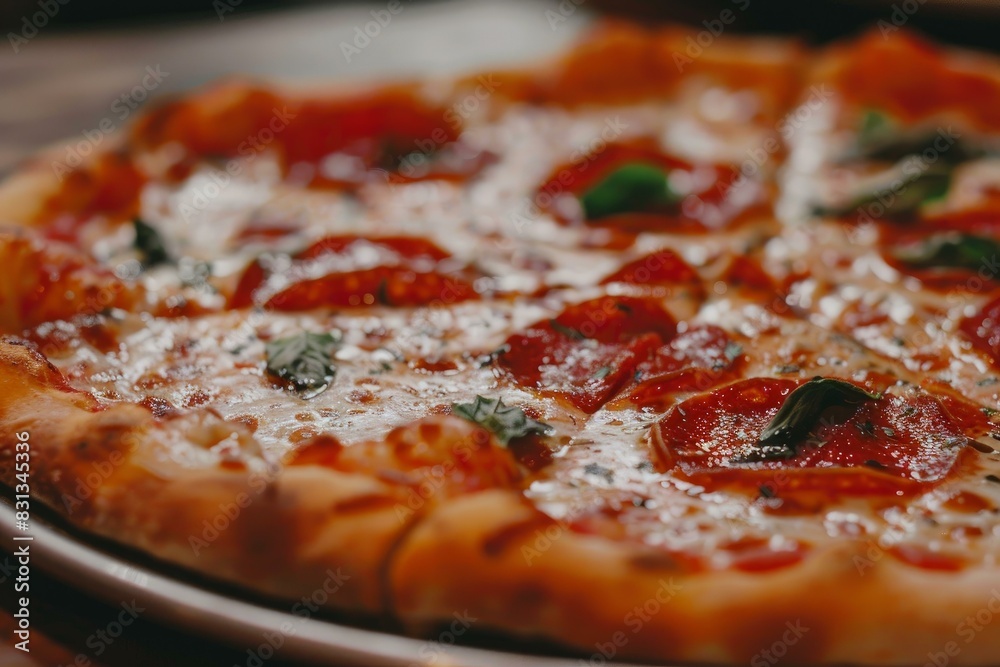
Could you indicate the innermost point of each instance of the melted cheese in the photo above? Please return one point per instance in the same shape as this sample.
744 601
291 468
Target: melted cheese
215 362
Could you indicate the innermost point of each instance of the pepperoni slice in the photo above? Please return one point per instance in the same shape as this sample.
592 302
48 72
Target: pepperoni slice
748 273
409 277
708 183
251 280
390 130
384 286
410 247
658 269
590 350
983 220
109 186
46 281
913 79
943 258
696 360
983 329
886 446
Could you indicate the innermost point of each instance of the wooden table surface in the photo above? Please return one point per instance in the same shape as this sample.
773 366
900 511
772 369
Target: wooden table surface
60 85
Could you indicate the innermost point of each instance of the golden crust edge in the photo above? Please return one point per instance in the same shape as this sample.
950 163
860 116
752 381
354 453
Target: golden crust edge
278 534
601 596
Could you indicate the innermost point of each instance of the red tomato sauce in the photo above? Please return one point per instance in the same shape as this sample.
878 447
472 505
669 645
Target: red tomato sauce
590 350
884 446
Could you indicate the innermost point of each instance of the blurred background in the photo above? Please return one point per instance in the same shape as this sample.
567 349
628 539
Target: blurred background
67 66
72 68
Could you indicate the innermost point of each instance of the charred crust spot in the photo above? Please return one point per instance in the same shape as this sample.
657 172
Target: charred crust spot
23 353
21 342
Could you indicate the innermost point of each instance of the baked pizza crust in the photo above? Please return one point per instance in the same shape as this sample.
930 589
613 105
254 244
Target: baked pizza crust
280 533
511 567
490 555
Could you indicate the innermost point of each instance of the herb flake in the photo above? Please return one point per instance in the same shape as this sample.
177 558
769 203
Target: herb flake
505 422
952 251
895 200
304 360
636 186
149 243
598 470
881 138
569 332
799 414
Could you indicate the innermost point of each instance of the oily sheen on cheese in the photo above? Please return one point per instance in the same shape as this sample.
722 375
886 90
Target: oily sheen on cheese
722 337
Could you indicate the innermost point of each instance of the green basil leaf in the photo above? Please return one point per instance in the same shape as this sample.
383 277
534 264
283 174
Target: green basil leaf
901 202
875 126
954 251
305 361
633 187
881 139
799 414
149 243
505 422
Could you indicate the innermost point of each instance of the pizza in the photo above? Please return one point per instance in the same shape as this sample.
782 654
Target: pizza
641 353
